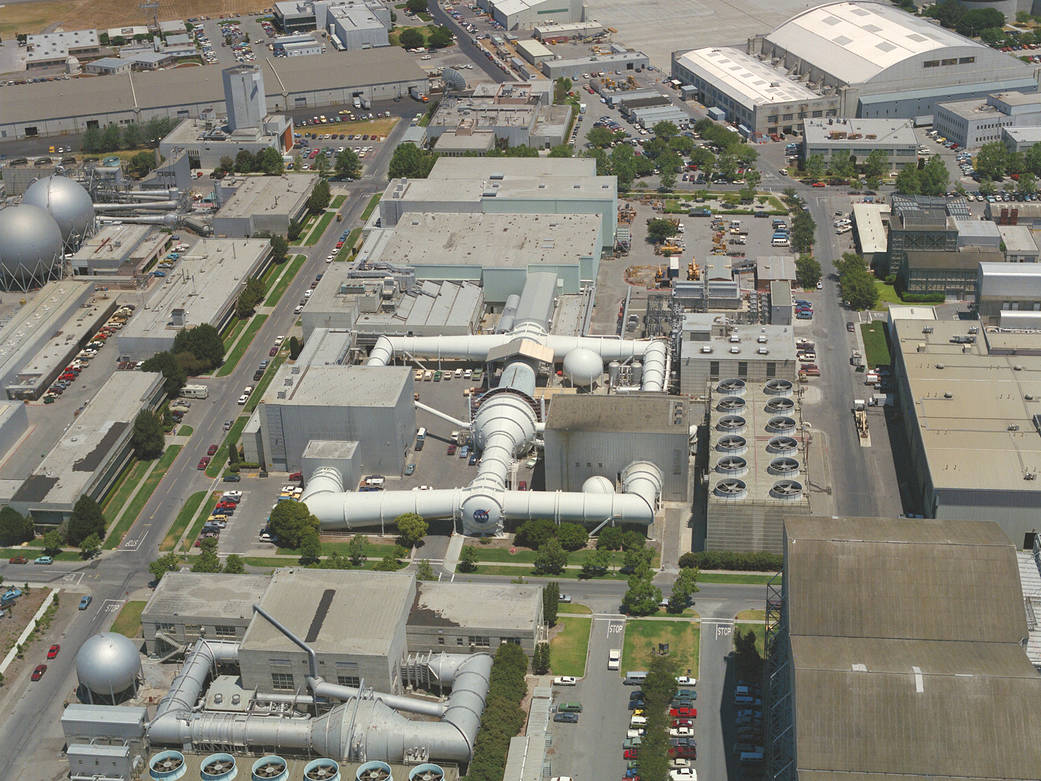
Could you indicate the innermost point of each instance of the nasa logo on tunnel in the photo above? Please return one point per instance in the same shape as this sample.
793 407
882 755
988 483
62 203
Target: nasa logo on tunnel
481 516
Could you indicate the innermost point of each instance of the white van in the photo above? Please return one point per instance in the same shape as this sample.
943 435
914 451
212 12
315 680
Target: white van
638 721
780 243
421 434
614 659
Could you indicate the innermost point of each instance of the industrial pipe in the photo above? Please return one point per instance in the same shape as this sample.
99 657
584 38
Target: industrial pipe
443 415
115 207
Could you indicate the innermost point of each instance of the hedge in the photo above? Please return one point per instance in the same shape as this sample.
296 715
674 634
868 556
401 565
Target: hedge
922 298
503 717
758 562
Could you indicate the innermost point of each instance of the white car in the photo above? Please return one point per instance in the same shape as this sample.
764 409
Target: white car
679 762
680 732
243 399
686 680
683 774
298 309
565 680
232 495
330 257
308 293
279 339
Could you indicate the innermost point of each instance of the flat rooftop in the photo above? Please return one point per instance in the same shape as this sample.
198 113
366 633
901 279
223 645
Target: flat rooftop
871 230
433 305
266 194
199 131
524 188
771 267
973 108
56 349
476 605
68 469
1030 134
196 594
870 132
651 413
115 243
747 79
204 281
1017 239
46 311
519 240
368 386
966 399
335 611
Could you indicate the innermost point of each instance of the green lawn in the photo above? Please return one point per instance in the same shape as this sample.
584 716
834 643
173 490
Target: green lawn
184 517
128 622
271 274
185 431
760 634
337 202
316 234
886 293
126 520
513 572
575 609
283 561
124 486
567 649
345 251
372 550
370 206
525 556
751 615
200 519
876 350
642 638
269 375
32 552
221 456
231 333
232 358
279 289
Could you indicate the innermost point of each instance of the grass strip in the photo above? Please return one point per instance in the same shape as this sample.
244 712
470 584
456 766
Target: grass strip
284 561
231 359
315 235
876 350
642 638
31 552
200 519
575 609
137 504
231 333
371 549
568 648
283 283
182 520
760 634
269 375
337 202
117 496
370 206
128 622
506 570
185 431
220 458
352 238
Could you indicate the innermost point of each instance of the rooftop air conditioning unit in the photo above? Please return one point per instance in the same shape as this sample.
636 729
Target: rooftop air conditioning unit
735 350
706 348
763 351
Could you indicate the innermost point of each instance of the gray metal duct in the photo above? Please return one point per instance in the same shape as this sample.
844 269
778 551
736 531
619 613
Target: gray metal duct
118 207
155 219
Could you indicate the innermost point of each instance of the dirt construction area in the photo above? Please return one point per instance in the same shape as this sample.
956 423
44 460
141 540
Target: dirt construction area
84 14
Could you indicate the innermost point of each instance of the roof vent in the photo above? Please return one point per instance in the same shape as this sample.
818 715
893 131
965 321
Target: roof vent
730 404
784 466
948 395
731 387
780 424
731 423
763 351
761 339
927 330
732 465
787 490
731 489
1013 427
1030 476
1017 368
1028 396
735 339
706 348
939 366
782 445
778 387
731 443
780 405
735 350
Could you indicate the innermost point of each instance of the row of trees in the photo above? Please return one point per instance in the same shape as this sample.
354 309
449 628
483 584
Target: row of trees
754 562
266 161
807 271
843 165
924 179
85 528
436 38
658 690
409 161
502 718
195 351
133 136
536 533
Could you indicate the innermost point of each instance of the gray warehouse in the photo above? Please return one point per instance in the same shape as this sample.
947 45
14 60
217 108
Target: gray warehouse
261 204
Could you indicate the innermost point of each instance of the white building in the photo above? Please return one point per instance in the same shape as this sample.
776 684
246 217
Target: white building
973 123
514 14
261 204
356 27
860 137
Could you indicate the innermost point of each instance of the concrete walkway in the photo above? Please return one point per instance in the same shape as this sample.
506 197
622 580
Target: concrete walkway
455 547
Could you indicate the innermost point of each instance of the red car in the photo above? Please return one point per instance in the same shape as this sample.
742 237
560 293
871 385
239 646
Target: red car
451 450
39 671
211 450
685 752
273 352
682 723
522 485
17 560
810 370
684 713
296 476
631 753
53 651
819 184
203 463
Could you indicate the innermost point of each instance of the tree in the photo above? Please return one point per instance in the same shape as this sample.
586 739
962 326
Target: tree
207 560
1027 183
610 538
168 562
856 283
147 437
411 529
642 597
251 295
623 164
600 136
637 560
815 166
842 164
683 590
245 162
91 141
561 150
468 558
666 180
91 546
295 348
540 659
416 6
174 376
322 166
233 454
535 533
1032 159
596 564
141 164
348 164
561 88
296 227
934 177
551 558
875 164
86 519
633 540
269 161
319 197
52 542
15 528
411 38
290 521
807 271
110 138
803 231
226 164
388 563
572 536
658 229
550 602
991 160
665 130
279 249
203 342
424 571
440 37
356 549
411 162
234 565
310 546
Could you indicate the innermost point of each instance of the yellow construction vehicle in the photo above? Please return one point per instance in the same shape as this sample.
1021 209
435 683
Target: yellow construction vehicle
693 271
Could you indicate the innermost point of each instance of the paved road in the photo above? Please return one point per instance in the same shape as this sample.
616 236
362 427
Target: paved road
467 46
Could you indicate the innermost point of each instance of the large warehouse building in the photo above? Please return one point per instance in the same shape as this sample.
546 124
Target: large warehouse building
857 59
970 398
898 653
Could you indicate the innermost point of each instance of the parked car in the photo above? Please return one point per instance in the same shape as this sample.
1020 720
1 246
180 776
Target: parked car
38 672
451 450
565 680
232 478
567 718
43 560
17 560
410 469
211 450
684 713
684 680
53 651
810 370
85 601
629 753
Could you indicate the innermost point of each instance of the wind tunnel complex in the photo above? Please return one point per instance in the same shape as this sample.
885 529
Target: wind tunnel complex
505 425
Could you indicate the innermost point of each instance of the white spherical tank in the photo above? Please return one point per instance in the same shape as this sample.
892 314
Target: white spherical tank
30 245
108 664
583 366
598 484
67 202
